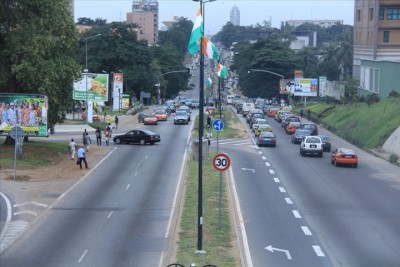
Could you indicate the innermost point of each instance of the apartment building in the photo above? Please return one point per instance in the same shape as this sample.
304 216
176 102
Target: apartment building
235 16
145 15
376 60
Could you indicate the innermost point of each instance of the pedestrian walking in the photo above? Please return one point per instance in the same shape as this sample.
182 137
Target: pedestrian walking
308 114
301 113
116 121
87 142
107 135
81 157
72 145
98 136
84 136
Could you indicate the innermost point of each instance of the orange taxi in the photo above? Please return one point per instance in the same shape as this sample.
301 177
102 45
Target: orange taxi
292 127
344 156
271 112
161 115
150 120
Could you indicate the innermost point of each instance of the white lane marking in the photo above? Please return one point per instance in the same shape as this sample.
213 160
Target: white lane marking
127 187
288 200
271 171
296 214
136 173
80 180
276 180
267 164
83 255
306 230
318 251
8 219
246 259
146 157
264 157
260 152
282 189
110 214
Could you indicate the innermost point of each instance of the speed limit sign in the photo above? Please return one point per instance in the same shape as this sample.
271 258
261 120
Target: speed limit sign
221 162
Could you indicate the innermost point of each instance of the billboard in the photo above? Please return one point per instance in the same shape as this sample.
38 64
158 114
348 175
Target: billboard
286 86
305 87
96 86
29 111
118 89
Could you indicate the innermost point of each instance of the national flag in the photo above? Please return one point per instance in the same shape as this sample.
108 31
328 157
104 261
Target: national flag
210 50
209 81
197 34
222 71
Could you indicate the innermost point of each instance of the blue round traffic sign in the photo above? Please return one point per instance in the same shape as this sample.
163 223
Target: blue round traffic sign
218 125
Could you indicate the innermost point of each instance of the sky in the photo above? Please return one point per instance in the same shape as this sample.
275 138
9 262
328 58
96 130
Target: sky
217 14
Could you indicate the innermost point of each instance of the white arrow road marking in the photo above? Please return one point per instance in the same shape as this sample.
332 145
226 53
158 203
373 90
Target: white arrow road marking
272 249
30 202
245 169
318 251
25 211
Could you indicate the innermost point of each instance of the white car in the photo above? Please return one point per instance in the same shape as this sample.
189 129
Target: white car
311 145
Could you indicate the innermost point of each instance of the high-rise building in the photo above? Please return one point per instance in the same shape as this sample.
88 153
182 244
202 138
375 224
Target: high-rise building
145 15
71 7
377 45
235 16
325 23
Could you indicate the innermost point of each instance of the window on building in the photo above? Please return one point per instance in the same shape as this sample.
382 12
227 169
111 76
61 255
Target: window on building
393 14
386 36
371 13
359 15
381 13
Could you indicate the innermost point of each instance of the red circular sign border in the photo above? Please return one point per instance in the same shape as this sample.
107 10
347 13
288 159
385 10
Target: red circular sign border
227 159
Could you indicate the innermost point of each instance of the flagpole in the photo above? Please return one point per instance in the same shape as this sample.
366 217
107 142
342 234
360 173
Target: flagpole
201 133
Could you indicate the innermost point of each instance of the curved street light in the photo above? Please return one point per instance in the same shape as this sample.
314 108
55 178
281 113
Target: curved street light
158 81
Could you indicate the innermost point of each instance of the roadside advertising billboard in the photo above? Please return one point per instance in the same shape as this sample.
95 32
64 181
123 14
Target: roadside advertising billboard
118 89
286 86
305 87
298 74
28 111
95 84
125 101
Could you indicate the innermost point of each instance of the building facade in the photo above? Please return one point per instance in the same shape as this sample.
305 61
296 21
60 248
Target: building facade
377 45
323 23
145 15
235 16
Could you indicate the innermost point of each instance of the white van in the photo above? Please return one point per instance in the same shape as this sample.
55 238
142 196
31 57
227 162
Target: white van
229 99
247 107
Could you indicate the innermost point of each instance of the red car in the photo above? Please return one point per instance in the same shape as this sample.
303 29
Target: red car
95 117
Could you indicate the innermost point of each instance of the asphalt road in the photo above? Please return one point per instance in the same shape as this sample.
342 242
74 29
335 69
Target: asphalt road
303 211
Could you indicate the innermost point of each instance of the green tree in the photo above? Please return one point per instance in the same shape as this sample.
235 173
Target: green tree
37 40
178 35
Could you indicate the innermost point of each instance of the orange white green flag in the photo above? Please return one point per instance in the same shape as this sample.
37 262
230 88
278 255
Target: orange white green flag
210 50
222 71
197 34
209 82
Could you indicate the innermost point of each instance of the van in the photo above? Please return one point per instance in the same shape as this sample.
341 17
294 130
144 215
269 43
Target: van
247 107
229 99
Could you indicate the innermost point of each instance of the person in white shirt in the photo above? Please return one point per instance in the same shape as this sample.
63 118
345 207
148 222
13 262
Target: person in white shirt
72 145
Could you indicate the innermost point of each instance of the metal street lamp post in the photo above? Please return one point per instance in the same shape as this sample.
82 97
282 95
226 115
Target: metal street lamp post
89 118
271 72
158 81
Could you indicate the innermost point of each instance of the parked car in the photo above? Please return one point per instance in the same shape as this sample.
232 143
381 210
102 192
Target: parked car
345 156
310 126
142 115
95 116
150 120
139 136
266 139
298 135
326 142
181 117
311 145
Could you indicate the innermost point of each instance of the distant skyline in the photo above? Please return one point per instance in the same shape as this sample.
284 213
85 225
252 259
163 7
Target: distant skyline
217 13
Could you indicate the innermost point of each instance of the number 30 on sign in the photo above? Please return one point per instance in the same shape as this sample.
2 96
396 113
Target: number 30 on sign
221 162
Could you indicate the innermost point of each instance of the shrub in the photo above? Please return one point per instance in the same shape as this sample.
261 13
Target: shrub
393 158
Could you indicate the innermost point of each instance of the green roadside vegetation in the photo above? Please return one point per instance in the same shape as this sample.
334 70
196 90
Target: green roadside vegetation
365 126
217 239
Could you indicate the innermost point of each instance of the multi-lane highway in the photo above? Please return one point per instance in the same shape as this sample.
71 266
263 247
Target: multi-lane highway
303 211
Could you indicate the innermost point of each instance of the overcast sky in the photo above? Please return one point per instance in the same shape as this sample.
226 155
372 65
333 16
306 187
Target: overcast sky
217 13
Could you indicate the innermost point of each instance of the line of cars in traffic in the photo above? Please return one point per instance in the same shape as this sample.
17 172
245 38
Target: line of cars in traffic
303 133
